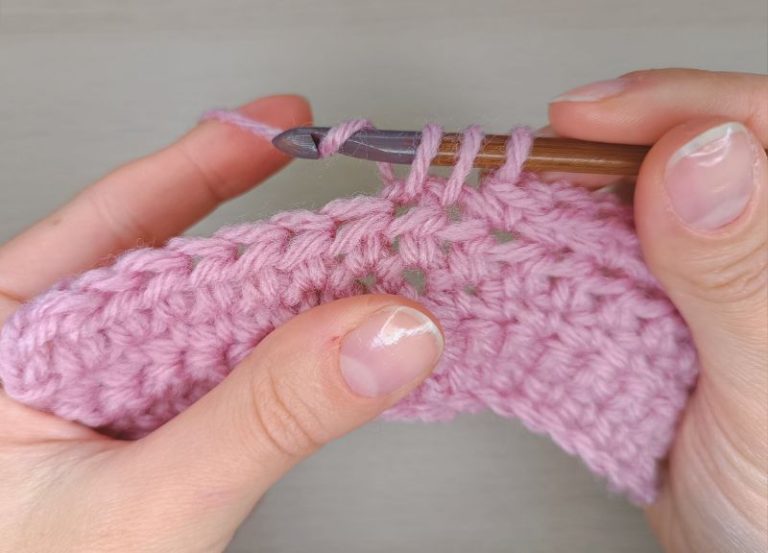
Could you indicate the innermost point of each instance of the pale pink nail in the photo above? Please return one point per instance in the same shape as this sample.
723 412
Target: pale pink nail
392 348
710 180
593 92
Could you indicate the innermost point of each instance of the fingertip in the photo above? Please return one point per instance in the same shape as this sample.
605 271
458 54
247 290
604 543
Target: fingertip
384 346
390 352
641 106
234 159
599 120
282 111
337 318
672 200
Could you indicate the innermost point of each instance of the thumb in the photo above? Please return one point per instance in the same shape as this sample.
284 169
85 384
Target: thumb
318 377
702 216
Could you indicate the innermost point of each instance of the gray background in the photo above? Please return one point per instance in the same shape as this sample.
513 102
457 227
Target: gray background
88 84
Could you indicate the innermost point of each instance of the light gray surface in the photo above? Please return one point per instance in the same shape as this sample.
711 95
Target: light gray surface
88 84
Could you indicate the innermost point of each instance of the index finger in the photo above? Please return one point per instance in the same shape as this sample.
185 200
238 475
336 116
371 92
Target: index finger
640 107
148 200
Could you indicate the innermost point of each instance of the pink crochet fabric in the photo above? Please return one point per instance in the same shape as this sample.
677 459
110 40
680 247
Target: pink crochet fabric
550 314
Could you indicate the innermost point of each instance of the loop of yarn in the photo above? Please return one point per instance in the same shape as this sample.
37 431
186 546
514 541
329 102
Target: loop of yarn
339 134
517 148
425 153
550 314
471 142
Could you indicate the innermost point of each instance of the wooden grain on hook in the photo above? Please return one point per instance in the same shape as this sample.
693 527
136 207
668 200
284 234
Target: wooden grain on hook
552 154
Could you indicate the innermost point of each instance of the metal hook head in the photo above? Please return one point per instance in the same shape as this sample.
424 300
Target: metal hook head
368 144
301 142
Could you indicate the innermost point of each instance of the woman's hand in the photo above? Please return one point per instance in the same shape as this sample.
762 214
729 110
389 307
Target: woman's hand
188 485
701 207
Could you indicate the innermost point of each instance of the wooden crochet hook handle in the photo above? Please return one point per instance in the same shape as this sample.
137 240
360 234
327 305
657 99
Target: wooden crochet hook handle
558 154
552 154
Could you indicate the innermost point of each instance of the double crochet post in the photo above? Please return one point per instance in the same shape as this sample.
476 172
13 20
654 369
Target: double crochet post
550 315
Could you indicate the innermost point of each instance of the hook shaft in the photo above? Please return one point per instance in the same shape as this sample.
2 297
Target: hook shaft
547 153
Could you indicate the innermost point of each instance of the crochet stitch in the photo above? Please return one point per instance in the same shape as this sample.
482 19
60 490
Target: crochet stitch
550 314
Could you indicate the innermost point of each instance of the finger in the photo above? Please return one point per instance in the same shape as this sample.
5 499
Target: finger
20 424
148 200
320 376
702 217
640 107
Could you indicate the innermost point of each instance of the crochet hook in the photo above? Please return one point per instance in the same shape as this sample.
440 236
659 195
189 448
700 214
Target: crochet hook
547 153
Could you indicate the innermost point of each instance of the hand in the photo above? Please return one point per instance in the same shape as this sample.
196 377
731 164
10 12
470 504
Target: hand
701 206
188 485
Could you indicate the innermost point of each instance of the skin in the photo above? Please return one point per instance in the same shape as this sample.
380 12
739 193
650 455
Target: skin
188 485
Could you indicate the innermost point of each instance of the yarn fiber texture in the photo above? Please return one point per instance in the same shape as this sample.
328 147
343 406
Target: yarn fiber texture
550 314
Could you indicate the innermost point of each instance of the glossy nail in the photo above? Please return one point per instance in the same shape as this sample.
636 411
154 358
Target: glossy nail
593 92
710 179
392 348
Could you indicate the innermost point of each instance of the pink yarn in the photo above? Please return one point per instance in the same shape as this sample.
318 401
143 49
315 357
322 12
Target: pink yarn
550 314
239 120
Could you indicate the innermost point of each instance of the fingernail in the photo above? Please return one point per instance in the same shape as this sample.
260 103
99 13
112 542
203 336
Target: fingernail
710 179
593 92
390 349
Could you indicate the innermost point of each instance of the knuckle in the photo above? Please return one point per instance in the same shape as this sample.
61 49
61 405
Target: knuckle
210 182
282 421
732 274
120 222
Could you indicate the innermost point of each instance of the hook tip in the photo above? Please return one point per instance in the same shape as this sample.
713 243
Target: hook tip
301 142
